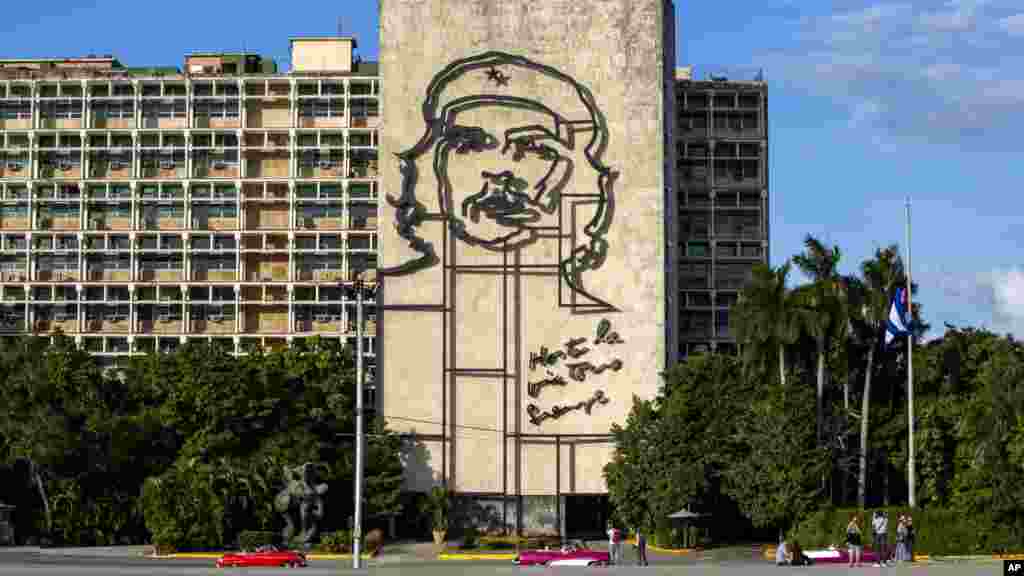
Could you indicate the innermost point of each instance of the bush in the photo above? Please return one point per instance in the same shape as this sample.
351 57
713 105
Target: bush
470 537
938 531
339 542
252 539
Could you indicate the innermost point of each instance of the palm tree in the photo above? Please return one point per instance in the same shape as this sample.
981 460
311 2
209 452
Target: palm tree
763 320
880 276
823 312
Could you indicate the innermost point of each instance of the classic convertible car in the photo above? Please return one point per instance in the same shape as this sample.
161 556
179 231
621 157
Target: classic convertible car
838 556
262 556
573 554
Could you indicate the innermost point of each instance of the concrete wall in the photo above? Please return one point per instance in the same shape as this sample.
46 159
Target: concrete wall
487 324
322 54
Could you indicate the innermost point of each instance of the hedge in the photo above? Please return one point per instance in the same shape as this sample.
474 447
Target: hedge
937 531
339 542
251 539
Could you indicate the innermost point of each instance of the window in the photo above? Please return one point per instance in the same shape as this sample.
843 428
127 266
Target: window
697 249
217 108
165 109
334 211
161 263
309 159
365 108
57 263
64 313
61 109
222 211
223 191
330 191
15 110
171 212
8 211
114 109
327 108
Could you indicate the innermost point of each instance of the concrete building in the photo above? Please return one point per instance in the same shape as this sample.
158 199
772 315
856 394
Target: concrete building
526 289
145 207
722 144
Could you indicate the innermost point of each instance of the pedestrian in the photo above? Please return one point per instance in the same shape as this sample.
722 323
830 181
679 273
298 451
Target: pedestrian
854 540
901 539
613 544
880 526
910 538
641 546
782 554
619 547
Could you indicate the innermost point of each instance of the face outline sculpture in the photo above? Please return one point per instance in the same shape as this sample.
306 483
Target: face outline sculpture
503 164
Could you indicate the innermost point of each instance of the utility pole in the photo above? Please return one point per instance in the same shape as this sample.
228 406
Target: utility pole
911 475
357 527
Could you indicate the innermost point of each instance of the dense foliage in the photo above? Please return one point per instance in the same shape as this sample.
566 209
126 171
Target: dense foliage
811 419
189 447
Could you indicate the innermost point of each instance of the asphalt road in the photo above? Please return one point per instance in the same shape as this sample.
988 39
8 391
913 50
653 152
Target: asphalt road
42 563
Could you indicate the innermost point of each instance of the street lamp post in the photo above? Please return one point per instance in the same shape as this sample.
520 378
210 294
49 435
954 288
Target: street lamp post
357 527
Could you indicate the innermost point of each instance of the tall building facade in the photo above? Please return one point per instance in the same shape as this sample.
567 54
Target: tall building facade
145 207
722 176
530 211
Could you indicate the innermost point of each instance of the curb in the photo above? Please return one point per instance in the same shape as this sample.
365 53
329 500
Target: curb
444 556
669 551
215 556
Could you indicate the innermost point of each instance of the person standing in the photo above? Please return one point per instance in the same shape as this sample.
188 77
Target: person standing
880 526
901 539
854 540
909 540
613 544
641 546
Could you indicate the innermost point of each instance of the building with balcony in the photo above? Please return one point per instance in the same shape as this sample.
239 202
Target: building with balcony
141 208
722 183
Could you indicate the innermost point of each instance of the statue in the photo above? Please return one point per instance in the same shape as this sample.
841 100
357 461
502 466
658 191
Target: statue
301 502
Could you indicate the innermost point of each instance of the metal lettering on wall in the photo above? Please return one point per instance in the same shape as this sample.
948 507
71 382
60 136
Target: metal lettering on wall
577 371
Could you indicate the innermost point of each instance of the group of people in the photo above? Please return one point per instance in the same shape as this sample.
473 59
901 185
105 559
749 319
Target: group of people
615 540
880 527
791 554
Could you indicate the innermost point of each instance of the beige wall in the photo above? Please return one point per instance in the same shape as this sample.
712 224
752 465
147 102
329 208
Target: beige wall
614 49
269 115
322 54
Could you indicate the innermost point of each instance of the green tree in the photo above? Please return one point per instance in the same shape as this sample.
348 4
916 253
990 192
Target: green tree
823 313
763 320
775 478
880 276
672 451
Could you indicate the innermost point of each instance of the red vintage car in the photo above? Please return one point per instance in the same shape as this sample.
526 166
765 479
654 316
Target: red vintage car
574 554
262 556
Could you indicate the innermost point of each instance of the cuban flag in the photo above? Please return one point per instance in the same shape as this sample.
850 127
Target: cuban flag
898 323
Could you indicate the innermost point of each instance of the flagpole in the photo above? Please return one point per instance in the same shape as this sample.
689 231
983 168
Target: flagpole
911 476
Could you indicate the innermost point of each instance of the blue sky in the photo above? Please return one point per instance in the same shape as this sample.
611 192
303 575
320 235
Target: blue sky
870 102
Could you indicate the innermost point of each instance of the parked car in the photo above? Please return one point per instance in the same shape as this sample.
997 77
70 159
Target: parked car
839 556
262 556
572 554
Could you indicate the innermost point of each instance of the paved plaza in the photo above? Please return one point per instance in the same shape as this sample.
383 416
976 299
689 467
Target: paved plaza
42 563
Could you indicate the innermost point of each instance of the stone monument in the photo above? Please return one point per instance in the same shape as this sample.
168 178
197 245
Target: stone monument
301 502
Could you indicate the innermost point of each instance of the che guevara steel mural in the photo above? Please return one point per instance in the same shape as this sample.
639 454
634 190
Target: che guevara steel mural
543 180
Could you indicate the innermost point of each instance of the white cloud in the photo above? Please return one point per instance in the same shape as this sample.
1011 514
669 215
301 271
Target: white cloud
992 299
1008 300
1013 25
931 73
